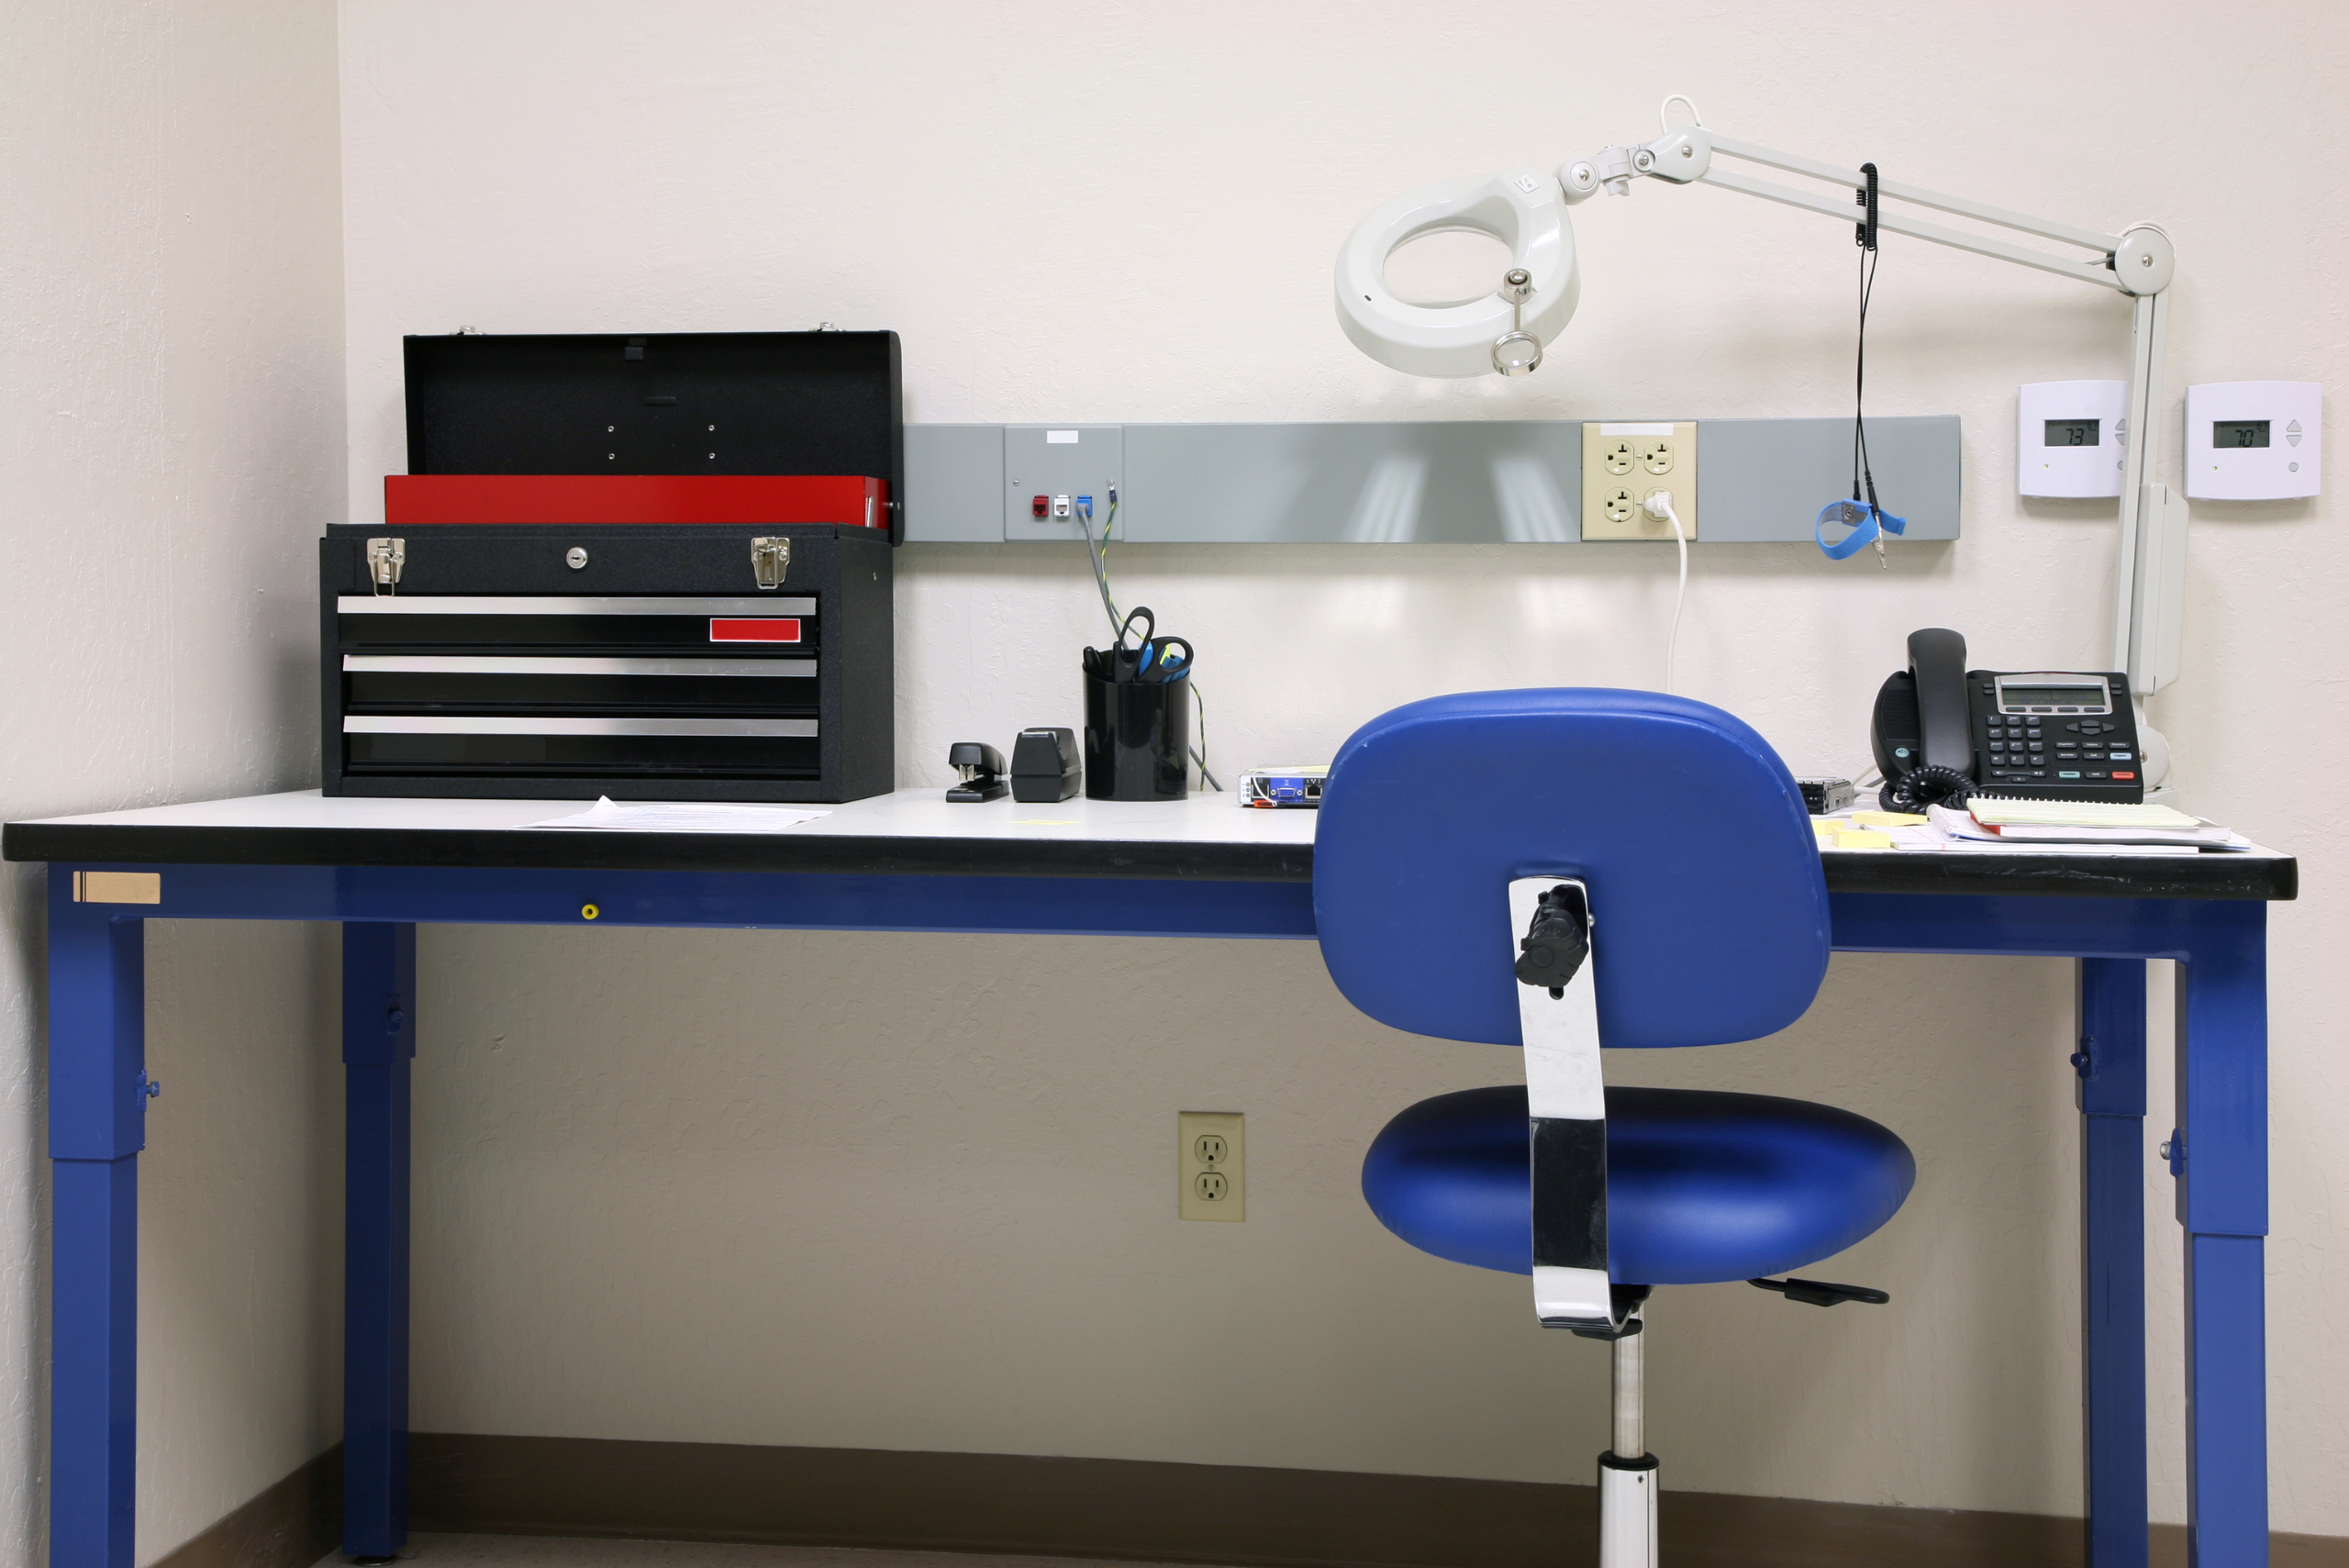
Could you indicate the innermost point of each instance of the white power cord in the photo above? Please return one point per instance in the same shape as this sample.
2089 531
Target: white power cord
1659 506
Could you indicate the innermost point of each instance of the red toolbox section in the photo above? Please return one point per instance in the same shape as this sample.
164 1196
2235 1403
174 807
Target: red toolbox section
765 629
416 500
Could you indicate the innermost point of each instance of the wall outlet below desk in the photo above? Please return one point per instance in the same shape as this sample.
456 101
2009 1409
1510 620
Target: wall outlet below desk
1211 1165
1623 464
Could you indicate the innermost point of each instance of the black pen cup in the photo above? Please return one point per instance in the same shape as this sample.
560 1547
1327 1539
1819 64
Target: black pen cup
1136 739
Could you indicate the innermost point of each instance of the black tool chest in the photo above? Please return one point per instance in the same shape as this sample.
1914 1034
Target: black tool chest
466 653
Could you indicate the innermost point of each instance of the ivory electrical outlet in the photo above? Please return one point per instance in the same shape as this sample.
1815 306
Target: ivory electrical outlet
1211 1164
1625 463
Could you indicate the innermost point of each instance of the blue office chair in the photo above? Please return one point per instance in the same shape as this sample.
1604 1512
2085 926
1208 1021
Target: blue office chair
1563 870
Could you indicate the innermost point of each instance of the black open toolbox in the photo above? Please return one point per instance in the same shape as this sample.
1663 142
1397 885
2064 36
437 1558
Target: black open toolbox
466 653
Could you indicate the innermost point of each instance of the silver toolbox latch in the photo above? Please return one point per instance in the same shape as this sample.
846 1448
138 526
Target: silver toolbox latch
384 559
770 559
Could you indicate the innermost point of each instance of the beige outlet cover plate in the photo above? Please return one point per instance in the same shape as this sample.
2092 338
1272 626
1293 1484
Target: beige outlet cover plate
1211 1160
1622 462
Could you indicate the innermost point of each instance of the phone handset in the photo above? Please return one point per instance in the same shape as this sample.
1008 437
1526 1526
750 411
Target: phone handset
1924 728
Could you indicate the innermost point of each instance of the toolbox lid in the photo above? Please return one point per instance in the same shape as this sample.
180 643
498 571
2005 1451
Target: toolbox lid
662 403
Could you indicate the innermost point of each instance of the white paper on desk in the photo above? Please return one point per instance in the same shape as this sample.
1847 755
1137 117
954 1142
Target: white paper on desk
611 815
1941 835
1961 825
1976 845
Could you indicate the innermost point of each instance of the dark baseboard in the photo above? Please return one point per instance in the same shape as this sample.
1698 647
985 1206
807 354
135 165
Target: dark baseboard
290 1524
1183 1512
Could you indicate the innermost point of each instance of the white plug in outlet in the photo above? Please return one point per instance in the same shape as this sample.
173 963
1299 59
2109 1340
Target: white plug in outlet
1623 464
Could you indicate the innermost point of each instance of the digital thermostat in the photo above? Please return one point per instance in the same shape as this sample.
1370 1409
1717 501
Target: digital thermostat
2069 437
2254 440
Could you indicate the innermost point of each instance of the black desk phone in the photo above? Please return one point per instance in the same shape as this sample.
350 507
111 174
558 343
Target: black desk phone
1943 732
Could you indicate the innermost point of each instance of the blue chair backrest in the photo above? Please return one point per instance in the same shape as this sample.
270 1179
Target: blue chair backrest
1710 909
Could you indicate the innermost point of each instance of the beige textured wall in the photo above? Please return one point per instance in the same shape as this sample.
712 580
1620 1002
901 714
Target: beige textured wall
170 407
912 1191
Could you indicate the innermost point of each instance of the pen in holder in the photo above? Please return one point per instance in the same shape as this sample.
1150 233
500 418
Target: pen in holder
1138 721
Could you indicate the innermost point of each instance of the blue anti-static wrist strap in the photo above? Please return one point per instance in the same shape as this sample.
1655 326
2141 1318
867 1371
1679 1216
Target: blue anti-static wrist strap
1866 521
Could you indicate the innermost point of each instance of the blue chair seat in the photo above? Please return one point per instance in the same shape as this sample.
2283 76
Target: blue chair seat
1702 1186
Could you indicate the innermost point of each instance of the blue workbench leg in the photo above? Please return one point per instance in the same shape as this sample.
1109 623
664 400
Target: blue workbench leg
2220 1157
97 1083
378 1043
2112 1067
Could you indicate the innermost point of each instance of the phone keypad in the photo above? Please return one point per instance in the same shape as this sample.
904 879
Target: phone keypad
2017 744
2023 749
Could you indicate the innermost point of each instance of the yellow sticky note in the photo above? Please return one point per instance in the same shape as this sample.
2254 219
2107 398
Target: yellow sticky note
1887 818
1861 839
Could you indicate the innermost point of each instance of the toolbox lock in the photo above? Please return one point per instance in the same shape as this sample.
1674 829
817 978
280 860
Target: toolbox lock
384 559
770 559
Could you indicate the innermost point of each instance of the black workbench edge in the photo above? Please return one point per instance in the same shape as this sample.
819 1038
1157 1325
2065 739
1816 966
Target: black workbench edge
2261 877
839 854
2209 874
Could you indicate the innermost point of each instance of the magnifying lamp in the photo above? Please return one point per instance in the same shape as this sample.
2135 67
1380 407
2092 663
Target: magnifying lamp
1502 331
1506 331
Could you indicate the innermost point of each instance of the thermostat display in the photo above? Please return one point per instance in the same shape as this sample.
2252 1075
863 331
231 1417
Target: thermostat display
2068 437
2254 440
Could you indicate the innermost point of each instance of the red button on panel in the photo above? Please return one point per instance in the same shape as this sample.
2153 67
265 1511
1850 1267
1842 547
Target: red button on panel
724 630
2118 776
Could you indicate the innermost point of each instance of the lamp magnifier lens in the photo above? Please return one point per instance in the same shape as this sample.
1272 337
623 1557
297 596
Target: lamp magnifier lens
1516 351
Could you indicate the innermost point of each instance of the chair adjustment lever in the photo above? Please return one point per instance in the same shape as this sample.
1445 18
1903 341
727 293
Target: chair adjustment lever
1818 1293
1556 941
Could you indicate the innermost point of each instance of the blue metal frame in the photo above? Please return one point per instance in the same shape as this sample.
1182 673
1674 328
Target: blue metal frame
98 1091
97 1080
378 1043
2110 1063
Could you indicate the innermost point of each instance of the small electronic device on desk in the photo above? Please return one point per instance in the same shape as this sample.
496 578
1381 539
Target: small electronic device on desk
1046 766
1283 786
1821 796
1942 733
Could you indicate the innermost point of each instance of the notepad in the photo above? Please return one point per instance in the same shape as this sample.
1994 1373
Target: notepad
2077 814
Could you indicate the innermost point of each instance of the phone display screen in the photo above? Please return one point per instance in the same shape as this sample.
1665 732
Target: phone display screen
2074 432
2226 433
2052 697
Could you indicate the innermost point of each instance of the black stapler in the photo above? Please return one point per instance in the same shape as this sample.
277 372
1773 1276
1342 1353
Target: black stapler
980 767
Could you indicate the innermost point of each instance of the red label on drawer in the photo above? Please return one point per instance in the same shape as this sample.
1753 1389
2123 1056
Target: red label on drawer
724 630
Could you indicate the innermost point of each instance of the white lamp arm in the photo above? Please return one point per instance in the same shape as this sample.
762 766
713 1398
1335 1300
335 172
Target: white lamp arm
2139 262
